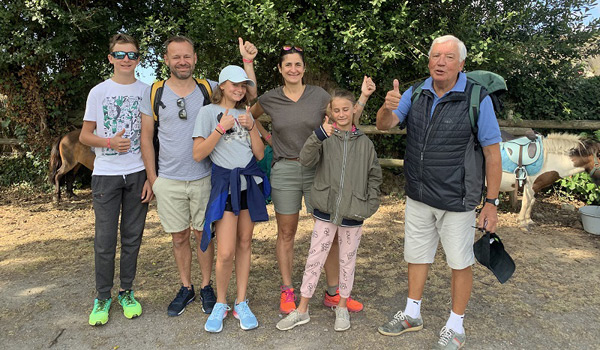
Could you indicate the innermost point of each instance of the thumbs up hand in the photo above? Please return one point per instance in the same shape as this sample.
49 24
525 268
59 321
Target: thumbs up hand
120 144
368 86
227 120
392 99
246 119
247 49
327 126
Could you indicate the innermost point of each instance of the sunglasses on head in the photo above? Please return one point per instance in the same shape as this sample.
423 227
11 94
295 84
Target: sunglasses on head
182 111
121 55
290 47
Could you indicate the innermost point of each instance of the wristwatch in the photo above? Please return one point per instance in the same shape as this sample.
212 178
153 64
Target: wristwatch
494 201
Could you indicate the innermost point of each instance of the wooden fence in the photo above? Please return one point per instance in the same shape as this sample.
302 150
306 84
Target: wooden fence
515 127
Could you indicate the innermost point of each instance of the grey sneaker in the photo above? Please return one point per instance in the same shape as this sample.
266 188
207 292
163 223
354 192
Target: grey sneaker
342 319
450 340
401 323
292 320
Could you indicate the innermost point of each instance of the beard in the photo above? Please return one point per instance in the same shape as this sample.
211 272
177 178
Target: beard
182 75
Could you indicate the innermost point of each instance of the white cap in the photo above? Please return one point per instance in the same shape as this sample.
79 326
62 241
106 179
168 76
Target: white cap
235 74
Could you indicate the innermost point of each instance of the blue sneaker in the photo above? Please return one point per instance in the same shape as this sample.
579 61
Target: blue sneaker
247 319
183 298
214 324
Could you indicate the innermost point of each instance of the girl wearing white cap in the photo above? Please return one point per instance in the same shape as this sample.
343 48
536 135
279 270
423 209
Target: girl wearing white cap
225 131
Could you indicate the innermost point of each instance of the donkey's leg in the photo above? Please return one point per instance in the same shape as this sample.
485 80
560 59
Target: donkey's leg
525 220
69 179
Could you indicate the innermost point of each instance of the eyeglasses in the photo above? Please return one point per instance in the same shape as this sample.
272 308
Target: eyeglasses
182 111
121 55
290 47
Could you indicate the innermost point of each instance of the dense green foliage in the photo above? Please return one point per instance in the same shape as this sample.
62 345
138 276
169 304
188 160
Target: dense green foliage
55 51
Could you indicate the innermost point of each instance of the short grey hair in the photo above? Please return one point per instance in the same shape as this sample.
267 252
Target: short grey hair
462 49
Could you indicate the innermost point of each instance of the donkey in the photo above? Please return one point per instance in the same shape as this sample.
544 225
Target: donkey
67 155
564 155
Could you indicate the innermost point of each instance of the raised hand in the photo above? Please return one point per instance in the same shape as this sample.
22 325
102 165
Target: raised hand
328 127
368 86
246 119
227 120
247 50
120 144
392 99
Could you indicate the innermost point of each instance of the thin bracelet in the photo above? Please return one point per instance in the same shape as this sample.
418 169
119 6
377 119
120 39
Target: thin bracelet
221 127
108 142
246 60
268 137
361 104
253 122
217 130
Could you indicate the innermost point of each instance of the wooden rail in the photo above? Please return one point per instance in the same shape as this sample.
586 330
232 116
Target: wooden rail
514 127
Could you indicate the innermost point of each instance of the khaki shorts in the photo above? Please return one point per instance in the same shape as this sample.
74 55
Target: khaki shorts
181 202
425 226
290 180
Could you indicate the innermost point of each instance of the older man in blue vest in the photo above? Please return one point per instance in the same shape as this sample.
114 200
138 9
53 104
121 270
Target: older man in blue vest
446 166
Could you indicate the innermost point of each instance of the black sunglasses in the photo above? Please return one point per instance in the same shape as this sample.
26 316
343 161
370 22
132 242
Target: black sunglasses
121 55
182 111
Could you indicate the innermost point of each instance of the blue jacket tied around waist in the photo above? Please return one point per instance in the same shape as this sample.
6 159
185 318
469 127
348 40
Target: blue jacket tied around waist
221 181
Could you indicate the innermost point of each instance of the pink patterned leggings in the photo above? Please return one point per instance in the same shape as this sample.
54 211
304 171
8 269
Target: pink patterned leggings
320 243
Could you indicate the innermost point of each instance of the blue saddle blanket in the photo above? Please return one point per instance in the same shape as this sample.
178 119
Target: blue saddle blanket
532 161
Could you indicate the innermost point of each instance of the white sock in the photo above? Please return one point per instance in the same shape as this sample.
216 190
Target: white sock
413 308
455 322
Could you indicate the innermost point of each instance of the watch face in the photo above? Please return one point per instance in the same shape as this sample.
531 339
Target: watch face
494 201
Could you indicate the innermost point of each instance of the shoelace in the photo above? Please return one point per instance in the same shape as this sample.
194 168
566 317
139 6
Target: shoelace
218 311
128 298
398 317
210 294
243 310
445 336
289 295
102 304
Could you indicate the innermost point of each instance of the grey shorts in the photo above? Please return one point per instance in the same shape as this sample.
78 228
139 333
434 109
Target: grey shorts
425 226
290 180
181 202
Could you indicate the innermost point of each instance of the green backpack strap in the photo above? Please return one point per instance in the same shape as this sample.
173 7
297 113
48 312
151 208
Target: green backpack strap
416 93
474 107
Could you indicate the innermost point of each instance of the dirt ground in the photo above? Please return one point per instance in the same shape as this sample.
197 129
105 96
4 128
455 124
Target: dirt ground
47 286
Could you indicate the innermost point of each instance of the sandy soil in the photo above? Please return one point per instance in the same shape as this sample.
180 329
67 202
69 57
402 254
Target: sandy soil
47 286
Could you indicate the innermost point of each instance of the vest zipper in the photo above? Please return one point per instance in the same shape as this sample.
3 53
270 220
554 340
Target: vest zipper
427 131
337 204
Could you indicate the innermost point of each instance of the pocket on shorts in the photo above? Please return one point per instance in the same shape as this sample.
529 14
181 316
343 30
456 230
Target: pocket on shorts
155 185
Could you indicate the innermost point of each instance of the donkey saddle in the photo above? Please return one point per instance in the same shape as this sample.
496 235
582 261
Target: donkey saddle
522 156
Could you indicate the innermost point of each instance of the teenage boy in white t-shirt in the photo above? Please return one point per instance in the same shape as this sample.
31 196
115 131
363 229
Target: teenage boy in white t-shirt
112 125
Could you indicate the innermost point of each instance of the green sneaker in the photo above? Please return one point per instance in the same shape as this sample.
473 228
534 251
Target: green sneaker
450 340
401 323
99 314
131 307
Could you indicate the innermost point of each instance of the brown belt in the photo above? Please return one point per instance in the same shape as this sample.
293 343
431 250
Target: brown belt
294 159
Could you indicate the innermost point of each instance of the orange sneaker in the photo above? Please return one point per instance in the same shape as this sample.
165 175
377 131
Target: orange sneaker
333 300
287 303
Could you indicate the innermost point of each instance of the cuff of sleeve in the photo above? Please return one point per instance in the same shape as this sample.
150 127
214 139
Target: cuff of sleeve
321 134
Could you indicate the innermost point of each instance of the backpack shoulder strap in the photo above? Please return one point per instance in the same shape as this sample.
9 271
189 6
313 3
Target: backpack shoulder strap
474 101
155 97
206 89
416 92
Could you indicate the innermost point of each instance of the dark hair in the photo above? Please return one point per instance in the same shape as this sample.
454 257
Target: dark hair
292 50
217 97
122 39
178 39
